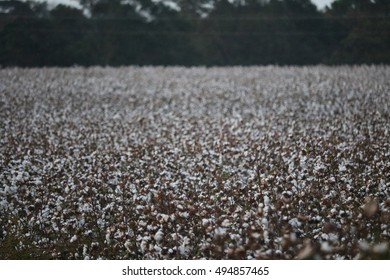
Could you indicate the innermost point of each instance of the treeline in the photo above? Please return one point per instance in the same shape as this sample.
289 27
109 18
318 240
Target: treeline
194 32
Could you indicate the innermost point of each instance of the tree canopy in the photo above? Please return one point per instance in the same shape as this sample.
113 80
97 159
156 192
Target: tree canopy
196 32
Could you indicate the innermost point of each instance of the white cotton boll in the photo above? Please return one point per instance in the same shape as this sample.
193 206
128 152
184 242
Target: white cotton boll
149 227
266 236
364 246
159 236
149 197
128 245
130 232
205 222
266 200
118 234
264 223
55 228
118 188
85 250
19 177
342 168
108 238
333 237
293 236
180 207
226 223
219 231
113 182
9 190
3 204
185 248
165 217
81 222
157 249
324 236
294 223
184 215
37 182
100 222
144 246
325 247
86 208
73 239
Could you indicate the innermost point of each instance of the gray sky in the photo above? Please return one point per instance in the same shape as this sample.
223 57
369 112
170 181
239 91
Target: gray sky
322 3
72 3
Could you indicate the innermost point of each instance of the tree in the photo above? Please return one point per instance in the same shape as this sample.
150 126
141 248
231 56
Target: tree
71 41
194 32
367 36
265 32
23 34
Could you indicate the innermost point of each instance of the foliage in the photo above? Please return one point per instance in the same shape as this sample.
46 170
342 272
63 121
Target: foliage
218 32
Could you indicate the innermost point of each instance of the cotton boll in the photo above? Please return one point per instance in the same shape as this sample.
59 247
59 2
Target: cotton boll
73 239
266 200
294 223
159 235
264 223
205 222
220 232
128 245
108 238
184 248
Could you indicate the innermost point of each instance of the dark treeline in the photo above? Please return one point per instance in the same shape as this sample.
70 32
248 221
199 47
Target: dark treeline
201 32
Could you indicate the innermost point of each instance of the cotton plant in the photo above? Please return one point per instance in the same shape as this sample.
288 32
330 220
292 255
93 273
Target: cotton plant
195 163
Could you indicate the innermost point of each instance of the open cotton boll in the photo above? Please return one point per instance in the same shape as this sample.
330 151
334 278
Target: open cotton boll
159 235
267 200
73 239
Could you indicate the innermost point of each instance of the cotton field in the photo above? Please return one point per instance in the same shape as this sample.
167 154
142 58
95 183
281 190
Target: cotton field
195 163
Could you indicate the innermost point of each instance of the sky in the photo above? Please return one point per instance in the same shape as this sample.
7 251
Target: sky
322 3
74 3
